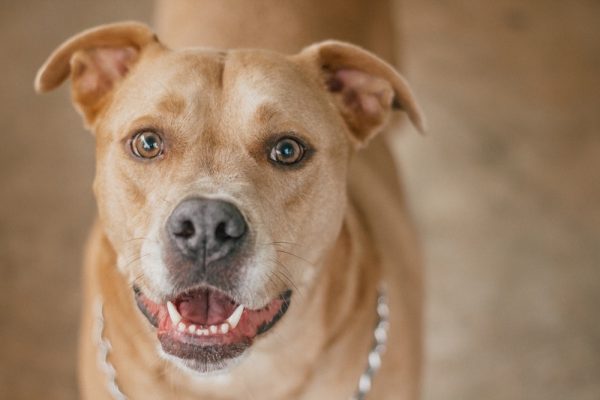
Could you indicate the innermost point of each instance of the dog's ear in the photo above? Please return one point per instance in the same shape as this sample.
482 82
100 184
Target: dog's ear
96 60
363 87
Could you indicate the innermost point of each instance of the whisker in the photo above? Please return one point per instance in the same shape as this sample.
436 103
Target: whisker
277 243
297 256
136 259
136 238
285 278
137 278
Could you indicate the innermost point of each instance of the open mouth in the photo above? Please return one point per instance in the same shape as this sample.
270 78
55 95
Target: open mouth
205 327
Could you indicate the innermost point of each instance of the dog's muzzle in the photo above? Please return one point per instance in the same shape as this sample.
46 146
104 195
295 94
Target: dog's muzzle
207 242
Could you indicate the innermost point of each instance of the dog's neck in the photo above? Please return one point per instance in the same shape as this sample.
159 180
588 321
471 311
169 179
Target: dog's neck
302 360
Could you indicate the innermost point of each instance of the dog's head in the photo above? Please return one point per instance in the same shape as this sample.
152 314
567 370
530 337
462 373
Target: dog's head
221 175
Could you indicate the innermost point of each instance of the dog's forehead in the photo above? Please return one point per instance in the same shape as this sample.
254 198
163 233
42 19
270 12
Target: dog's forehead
204 83
260 73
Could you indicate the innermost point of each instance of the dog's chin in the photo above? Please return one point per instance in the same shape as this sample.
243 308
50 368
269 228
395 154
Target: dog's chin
205 331
212 363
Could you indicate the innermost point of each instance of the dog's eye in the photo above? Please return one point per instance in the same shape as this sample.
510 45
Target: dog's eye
287 151
147 144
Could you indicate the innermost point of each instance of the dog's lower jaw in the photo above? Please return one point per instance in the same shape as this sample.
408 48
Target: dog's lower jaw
217 371
196 343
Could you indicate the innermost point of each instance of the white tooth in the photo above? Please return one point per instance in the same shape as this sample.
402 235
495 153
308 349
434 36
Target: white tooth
181 327
204 332
234 318
213 329
199 332
192 328
173 313
224 327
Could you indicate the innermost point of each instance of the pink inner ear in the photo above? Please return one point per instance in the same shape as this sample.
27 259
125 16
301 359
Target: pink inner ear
96 70
362 93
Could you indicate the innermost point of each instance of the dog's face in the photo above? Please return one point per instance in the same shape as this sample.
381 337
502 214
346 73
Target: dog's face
221 176
214 170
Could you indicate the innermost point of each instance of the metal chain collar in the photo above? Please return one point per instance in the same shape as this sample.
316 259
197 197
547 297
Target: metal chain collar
104 347
380 334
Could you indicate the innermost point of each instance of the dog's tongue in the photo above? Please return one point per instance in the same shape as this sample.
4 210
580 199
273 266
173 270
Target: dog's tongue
205 307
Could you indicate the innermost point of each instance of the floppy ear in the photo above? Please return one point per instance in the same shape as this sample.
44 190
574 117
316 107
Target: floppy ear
96 60
364 88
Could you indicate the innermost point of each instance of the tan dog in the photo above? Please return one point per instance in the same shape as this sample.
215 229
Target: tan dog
232 256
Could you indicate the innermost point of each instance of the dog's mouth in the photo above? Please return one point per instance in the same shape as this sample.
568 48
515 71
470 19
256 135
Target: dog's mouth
205 327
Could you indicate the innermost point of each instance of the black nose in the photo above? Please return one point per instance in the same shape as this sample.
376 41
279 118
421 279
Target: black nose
206 230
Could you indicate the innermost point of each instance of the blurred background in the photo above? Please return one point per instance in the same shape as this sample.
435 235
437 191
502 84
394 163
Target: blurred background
505 190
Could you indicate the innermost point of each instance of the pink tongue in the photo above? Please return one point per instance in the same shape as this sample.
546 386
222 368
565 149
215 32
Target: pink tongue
205 307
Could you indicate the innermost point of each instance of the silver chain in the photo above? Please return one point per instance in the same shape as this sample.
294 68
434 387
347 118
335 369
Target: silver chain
380 334
104 347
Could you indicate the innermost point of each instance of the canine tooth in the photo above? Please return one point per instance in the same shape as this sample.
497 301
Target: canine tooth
213 329
224 328
173 313
192 328
181 327
234 318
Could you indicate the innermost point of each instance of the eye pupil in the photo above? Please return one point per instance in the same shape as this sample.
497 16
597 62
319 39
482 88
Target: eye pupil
147 144
287 151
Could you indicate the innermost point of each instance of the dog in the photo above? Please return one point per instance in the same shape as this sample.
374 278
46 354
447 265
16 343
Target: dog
252 230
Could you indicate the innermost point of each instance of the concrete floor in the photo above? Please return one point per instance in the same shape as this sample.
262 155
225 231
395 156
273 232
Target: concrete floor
505 189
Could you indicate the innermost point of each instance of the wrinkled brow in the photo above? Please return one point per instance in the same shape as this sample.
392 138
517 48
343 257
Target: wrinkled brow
265 112
172 104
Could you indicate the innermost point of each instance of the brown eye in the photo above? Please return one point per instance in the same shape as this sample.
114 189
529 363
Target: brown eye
287 151
147 144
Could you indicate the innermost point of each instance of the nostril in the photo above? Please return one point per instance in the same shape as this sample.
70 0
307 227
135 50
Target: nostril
185 230
229 230
221 232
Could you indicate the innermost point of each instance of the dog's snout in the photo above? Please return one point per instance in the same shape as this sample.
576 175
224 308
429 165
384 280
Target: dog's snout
206 230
